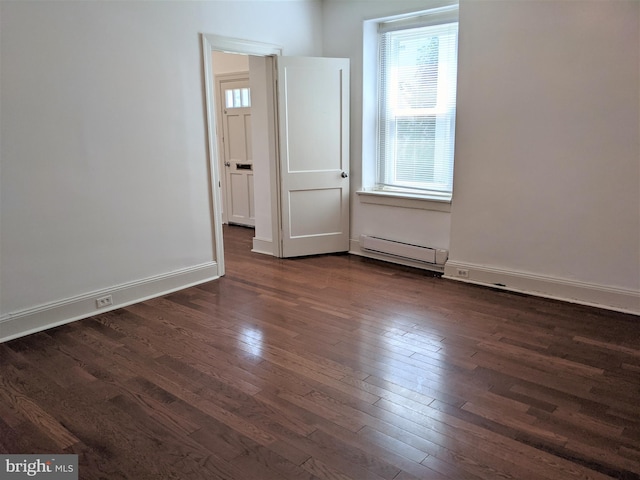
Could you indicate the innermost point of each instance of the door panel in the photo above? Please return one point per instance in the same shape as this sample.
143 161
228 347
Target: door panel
317 145
313 106
324 204
241 193
237 134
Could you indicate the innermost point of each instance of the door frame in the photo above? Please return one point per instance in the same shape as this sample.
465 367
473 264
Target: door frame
210 43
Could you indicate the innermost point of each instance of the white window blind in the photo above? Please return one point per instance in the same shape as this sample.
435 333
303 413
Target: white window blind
417 73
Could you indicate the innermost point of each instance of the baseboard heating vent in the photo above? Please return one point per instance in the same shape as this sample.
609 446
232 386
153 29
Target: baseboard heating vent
418 253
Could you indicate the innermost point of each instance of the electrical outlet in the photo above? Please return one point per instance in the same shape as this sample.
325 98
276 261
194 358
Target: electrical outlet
463 273
104 301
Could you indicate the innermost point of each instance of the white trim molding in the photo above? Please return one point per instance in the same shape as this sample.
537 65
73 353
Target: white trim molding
405 200
42 317
262 245
240 45
602 296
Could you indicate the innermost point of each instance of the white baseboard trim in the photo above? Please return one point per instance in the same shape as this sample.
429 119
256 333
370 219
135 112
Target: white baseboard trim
355 249
42 317
262 245
610 298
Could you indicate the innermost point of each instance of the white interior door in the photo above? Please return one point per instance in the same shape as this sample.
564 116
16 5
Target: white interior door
238 156
313 108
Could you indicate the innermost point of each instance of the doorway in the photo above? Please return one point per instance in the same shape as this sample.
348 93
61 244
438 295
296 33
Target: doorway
304 193
260 60
235 144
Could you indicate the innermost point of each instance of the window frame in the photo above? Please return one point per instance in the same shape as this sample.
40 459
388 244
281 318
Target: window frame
372 190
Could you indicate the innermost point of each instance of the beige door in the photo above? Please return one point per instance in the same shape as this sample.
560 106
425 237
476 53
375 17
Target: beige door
235 97
313 108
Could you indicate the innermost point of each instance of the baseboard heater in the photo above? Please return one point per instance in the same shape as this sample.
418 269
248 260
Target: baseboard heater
435 256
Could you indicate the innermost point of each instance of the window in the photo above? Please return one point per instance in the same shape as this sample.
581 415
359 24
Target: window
237 98
416 88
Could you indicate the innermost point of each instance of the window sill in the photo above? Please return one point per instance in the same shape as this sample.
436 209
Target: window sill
405 200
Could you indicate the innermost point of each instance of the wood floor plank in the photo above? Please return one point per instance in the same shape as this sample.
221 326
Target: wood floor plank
266 464
321 470
24 406
387 451
331 367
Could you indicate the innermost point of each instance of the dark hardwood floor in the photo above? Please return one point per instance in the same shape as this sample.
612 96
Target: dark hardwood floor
331 367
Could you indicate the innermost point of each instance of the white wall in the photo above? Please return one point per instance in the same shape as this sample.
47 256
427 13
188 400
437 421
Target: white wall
104 172
263 139
547 174
547 166
105 180
229 63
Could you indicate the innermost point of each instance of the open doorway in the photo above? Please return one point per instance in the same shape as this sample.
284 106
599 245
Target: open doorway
258 60
304 193
234 137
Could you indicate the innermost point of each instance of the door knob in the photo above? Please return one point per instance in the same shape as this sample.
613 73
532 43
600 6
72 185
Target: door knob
227 164
344 174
